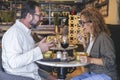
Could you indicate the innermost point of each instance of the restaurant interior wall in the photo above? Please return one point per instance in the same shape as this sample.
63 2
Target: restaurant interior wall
112 17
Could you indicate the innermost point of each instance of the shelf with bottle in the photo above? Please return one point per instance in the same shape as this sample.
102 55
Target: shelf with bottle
11 7
6 7
55 12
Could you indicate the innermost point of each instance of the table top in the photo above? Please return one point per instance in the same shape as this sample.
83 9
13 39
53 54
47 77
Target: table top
62 64
71 47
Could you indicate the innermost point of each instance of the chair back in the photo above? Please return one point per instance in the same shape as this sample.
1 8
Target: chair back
1 68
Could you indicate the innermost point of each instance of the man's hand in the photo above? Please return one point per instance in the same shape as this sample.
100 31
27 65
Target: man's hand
44 46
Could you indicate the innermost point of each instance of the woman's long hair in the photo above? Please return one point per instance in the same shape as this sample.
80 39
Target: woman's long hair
93 15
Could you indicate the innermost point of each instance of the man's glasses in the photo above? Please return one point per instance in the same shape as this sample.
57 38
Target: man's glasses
39 15
82 23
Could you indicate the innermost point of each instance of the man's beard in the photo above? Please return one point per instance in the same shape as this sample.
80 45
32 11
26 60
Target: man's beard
33 24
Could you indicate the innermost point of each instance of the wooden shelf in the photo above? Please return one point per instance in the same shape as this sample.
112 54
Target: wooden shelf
44 30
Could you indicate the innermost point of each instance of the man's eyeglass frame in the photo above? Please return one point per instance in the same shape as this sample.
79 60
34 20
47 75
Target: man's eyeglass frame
39 15
82 23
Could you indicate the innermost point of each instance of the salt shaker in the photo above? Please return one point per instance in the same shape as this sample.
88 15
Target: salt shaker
64 56
59 54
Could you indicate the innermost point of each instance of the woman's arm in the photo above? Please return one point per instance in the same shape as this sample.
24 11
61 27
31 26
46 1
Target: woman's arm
85 59
97 61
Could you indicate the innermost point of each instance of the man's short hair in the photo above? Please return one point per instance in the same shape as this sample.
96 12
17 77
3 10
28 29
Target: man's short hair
28 7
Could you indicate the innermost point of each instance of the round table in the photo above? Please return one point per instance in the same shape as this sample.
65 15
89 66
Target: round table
62 67
62 64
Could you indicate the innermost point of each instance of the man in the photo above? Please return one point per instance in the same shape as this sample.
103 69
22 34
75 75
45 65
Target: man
19 52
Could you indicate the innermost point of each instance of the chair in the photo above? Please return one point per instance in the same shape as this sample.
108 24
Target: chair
6 76
115 35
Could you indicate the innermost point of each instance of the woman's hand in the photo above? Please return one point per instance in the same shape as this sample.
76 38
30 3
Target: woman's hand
83 59
86 59
81 39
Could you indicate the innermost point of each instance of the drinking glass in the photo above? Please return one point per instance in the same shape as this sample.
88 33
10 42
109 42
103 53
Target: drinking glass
64 42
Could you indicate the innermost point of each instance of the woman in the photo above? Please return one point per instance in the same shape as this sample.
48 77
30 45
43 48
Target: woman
100 47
